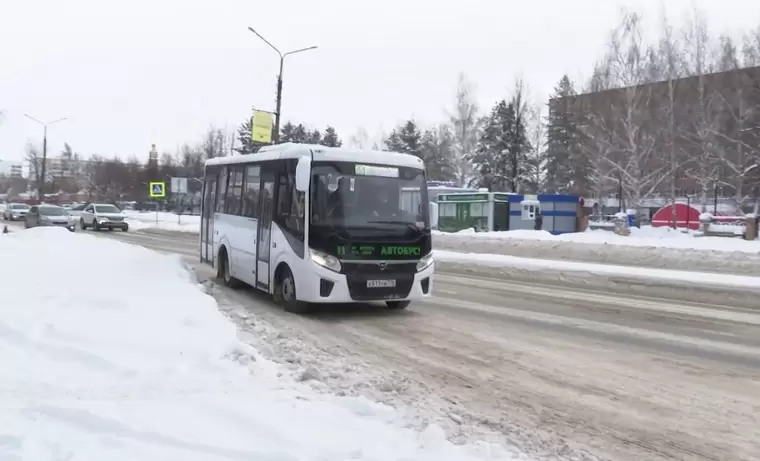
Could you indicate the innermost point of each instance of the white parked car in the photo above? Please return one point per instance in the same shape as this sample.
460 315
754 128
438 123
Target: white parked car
102 216
15 211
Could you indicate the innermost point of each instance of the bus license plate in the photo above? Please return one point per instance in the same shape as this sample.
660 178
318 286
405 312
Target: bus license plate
381 283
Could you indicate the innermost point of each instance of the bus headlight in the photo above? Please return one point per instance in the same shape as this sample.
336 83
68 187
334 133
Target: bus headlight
425 262
325 260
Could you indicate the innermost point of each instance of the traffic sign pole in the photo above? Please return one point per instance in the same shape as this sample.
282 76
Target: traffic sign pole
179 187
156 190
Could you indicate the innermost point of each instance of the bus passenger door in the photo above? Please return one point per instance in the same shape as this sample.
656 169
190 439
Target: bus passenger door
264 240
207 219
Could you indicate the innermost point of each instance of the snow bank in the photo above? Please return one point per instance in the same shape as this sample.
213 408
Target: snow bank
646 247
167 221
118 354
646 236
644 274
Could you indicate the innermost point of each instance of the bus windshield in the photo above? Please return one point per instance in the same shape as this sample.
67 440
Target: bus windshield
349 195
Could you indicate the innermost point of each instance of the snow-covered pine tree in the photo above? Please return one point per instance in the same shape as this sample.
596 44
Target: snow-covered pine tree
300 134
438 154
246 144
314 137
287 132
501 157
405 139
394 143
331 139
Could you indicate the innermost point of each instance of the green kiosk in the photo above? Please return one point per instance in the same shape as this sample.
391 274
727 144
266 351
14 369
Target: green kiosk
499 211
483 211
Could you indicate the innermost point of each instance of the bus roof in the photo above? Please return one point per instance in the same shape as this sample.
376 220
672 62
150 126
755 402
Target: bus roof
320 154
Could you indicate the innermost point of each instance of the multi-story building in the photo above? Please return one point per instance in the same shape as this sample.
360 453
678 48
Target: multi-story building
11 168
58 167
702 131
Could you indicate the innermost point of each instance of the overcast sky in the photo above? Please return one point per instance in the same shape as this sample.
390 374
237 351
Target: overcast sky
131 73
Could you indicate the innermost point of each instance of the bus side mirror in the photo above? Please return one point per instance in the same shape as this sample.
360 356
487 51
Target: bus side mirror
303 174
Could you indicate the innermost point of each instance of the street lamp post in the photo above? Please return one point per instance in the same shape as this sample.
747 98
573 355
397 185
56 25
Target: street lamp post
41 182
279 79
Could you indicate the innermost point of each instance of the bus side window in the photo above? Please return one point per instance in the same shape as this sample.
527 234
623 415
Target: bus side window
235 191
251 192
221 190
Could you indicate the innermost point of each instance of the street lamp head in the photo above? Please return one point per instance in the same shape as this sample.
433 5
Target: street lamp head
300 50
59 120
43 123
265 40
32 118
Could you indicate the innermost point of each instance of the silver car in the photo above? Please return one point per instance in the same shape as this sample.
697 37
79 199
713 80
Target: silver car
15 211
49 215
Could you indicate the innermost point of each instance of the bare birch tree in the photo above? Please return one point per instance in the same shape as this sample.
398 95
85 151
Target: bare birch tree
625 123
704 108
671 67
537 156
360 139
466 125
33 158
595 143
751 48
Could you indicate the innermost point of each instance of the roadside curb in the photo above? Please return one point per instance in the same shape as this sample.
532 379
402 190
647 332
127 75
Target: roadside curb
676 291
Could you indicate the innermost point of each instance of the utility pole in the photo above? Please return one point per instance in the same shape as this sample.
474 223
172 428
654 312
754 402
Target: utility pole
279 80
41 182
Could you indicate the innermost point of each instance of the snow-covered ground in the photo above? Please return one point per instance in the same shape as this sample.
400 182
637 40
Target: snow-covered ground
162 220
129 358
605 270
646 247
646 236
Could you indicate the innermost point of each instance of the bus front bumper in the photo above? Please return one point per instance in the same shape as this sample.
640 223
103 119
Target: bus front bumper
358 284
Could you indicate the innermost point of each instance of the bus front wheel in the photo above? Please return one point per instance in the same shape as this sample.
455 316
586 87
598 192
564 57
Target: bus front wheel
224 272
397 305
285 292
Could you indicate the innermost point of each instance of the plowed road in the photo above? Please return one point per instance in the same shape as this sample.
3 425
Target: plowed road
559 371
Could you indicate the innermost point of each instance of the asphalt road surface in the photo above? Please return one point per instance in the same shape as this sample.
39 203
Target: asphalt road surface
559 370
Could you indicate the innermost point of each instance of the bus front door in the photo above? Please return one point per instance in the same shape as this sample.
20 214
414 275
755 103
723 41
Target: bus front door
207 220
264 240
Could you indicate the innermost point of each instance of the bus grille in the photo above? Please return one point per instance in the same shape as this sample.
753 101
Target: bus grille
357 286
374 268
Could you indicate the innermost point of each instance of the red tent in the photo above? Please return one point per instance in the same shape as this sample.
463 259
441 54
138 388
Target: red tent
687 216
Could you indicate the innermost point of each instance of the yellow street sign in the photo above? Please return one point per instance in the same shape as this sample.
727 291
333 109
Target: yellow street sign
261 127
157 189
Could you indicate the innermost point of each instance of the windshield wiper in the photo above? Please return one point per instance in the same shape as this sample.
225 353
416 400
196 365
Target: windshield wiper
408 224
392 222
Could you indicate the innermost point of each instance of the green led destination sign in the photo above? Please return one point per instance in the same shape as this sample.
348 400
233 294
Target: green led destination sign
380 251
373 170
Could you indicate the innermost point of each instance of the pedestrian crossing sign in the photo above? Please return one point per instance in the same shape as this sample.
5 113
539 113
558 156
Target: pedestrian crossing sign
157 189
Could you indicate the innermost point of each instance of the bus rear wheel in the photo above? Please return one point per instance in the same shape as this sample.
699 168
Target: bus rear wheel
397 305
285 293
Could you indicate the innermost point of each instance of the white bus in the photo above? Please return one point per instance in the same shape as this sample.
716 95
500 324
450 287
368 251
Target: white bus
312 224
